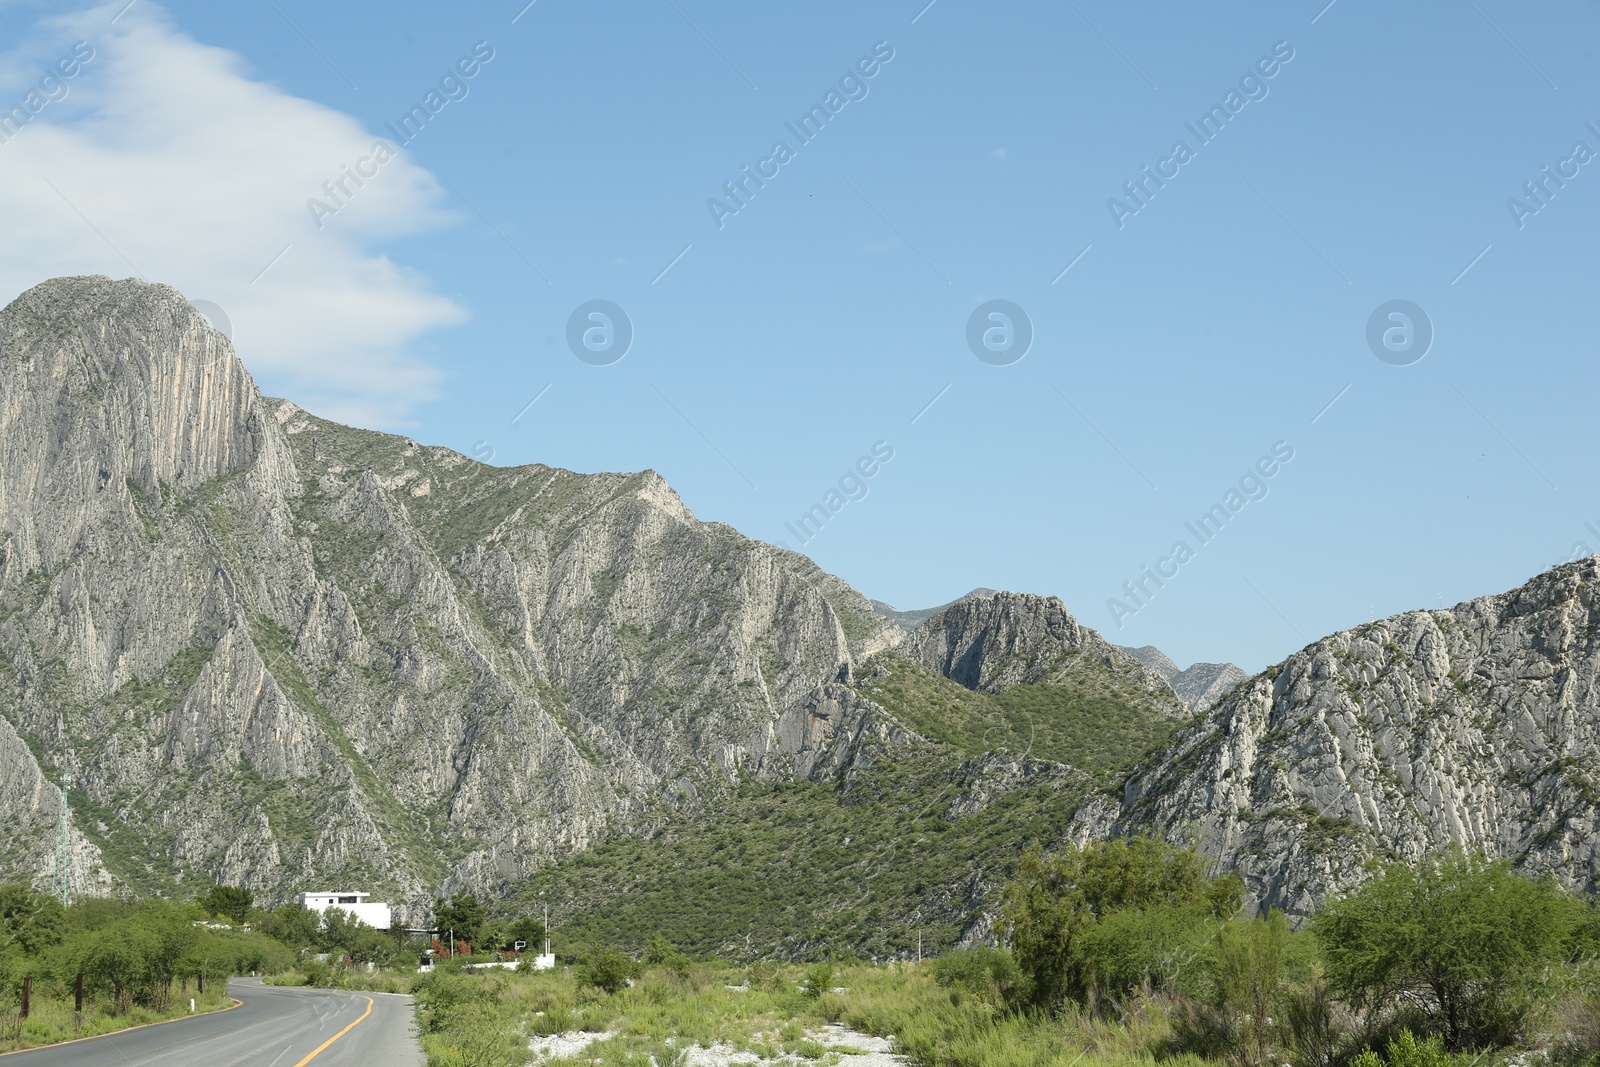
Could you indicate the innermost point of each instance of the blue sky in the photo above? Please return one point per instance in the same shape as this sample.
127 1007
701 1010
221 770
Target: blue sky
1188 339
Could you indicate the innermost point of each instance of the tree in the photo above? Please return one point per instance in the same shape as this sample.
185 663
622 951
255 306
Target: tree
31 921
1100 919
461 913
1464 937
230 902
340 930
526 929
291 924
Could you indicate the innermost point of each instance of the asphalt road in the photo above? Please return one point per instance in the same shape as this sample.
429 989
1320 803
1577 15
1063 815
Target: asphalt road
276 1026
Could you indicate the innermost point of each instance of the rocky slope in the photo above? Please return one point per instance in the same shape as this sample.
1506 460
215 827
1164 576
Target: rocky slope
1012 639
911 619
282 653
1476 726
1199 686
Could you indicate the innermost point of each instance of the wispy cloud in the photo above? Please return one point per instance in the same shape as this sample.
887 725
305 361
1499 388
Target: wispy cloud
167 154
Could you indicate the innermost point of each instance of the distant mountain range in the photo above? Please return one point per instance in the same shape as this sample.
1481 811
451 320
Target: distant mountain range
1200 685
278 652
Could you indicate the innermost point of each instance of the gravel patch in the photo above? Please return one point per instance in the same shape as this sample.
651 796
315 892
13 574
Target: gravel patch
568 1044
865 1051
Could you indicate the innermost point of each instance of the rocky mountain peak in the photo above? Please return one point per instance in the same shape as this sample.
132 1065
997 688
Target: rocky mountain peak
1476 726
1007 639
351 656
116 392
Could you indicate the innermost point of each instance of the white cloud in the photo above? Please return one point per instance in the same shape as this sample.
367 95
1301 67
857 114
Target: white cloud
196 175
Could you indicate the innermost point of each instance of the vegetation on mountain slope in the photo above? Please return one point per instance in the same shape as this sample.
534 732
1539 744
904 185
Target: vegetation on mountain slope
1092 720
800 870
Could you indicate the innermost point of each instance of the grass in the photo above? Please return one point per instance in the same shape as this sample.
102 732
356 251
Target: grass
764 1010
52 1020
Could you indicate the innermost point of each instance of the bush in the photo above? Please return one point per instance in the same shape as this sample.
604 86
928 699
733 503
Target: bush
988 975
1109 916
1314 1025
1468 938
1406 1051
607 970
1577 1029
818 980
660 952
1242 986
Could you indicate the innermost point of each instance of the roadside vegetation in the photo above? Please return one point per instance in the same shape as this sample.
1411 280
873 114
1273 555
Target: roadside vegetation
1125 952
140 962
1122 953
144 961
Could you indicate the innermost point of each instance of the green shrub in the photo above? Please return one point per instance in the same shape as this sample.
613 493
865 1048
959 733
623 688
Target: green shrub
818 980
989 975
1109 916
1242 983
1405 1051
1470 937
607 970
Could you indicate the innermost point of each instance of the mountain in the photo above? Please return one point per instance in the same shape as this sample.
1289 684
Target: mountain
910 619
1200 686
279 652
1476 726
1004 715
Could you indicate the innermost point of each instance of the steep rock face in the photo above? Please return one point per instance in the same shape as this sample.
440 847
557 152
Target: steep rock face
273 650
1477 726
1199 686
1013 639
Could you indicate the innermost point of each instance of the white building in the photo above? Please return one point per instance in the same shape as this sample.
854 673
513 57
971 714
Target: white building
373 914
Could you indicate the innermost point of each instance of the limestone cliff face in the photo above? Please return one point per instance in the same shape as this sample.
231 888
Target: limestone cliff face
277 651
1010 639
1199 686
1477 726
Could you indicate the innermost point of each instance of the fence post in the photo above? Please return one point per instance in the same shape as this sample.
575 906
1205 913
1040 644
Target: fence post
77 995
202 980
27 996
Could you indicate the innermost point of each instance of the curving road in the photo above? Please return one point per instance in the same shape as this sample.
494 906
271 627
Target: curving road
275 1026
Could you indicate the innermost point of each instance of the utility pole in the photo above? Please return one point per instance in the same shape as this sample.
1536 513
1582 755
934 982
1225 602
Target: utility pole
63 881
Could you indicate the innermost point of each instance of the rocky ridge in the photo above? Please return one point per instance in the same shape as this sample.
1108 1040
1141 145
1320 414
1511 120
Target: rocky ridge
1475 727
270 648
1199 686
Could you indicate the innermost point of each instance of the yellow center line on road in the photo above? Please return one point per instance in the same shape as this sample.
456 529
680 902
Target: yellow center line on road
320 1049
